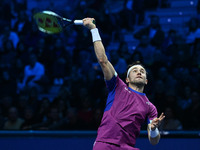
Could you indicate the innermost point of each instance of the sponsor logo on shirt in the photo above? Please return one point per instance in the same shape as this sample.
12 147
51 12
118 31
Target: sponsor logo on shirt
148 103
127 89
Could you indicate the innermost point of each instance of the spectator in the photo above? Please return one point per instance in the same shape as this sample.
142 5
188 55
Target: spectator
17 71
8 55
146 50
84 65
29 118
22 52
198 7
52 122
164 3
22 25
179 52
153 31
112 9
127 15
170 122
33 73
193 31
192 114
85 111
119 63
9 35
33 99
21 103
7 84
6 11
136 56
2 119
61 64
42 111
169 40
159 93
138 8
97 116
13 122
71 120
124 51
184 100
6 102
151 5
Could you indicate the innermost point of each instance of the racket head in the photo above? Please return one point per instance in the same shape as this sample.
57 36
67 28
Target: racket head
48 22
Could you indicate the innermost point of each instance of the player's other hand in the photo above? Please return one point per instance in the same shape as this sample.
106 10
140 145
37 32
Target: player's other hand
156 122
89 23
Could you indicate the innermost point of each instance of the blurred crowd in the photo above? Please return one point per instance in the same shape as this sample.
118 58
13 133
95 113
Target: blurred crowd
53 82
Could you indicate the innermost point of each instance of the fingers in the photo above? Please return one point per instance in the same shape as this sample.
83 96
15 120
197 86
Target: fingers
162 116
89 23
157 121
88 20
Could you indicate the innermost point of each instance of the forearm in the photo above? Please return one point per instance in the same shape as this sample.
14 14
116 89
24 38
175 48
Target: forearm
100 52
106 66
98 46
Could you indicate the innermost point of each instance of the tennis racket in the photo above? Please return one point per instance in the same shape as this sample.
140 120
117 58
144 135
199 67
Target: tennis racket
50 22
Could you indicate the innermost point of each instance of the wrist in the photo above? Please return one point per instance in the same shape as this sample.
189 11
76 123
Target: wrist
95 35
154 133
152 128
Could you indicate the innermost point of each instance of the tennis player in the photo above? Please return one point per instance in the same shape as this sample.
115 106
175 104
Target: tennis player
127 106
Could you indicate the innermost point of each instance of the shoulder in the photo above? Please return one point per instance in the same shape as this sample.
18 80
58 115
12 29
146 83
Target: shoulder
153 113
115 81
38 64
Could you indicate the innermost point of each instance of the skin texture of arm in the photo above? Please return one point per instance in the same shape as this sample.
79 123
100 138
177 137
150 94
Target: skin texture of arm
106 66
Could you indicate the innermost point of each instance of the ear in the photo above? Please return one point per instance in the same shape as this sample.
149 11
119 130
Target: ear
146 81
127 80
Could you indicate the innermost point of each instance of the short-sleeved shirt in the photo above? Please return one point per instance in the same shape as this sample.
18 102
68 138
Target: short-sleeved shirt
125 112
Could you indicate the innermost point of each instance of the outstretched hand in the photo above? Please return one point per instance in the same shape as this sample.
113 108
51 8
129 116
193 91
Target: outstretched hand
89 23
156 122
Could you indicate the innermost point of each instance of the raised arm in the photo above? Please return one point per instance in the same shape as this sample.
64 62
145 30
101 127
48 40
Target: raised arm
153 132
106 66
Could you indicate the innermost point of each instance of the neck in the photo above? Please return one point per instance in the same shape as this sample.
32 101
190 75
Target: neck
138 88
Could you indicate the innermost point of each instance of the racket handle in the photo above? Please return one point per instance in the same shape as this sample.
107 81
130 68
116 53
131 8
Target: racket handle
78 22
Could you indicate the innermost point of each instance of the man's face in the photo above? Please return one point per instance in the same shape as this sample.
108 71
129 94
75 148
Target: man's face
137 76
13 114
154 22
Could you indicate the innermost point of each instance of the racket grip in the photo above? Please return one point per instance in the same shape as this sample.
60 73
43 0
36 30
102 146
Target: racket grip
78 22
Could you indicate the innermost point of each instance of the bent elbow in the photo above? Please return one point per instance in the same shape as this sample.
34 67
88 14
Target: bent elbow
102 60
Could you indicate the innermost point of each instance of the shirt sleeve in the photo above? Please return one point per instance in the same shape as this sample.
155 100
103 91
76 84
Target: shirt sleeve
152 113
111 84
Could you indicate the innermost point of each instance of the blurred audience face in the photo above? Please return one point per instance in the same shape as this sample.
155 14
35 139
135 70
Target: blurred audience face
13 114
169 113
144 41
28 113
33 60
54 115
154 21
195 97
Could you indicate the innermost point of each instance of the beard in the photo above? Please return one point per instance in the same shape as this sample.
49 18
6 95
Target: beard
138 83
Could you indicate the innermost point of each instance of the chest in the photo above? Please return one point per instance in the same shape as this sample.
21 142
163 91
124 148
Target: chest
130 106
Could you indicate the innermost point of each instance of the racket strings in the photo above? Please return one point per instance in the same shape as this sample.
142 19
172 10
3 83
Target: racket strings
63 23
